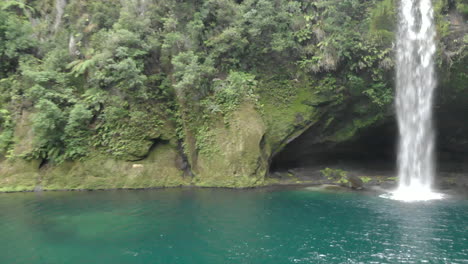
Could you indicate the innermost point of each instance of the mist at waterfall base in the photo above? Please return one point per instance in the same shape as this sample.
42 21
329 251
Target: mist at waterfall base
415 84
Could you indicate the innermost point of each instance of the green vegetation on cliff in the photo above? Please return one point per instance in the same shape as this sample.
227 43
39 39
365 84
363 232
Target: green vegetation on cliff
215 86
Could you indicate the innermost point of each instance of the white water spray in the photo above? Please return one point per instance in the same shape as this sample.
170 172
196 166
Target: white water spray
415 84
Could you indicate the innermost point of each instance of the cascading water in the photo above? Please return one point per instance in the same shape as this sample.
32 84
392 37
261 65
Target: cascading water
415 84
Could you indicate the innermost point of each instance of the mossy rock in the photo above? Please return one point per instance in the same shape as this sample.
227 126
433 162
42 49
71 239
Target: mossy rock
239 160
137 150
18 175
23 134
288 115
101 172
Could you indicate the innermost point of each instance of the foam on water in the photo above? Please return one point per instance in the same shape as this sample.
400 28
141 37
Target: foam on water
417 192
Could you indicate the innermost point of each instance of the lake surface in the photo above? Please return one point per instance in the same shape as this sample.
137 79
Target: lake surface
229 226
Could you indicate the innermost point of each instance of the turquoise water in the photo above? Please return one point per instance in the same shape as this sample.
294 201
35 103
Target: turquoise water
229 226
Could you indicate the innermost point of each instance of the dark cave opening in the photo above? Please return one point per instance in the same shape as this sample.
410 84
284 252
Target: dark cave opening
374 150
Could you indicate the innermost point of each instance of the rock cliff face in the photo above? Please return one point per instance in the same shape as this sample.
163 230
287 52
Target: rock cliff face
373 145
237 156
200 99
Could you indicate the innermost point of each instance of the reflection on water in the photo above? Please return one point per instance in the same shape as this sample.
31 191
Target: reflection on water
229 226
420 232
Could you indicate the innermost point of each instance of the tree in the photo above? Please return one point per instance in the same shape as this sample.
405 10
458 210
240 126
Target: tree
15 40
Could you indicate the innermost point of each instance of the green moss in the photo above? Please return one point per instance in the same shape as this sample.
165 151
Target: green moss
287 109
101 172
228 122
23 135
18 175
241 160
128 134
349 130
450 180
342 181
338 176
365 179
271 181
205 141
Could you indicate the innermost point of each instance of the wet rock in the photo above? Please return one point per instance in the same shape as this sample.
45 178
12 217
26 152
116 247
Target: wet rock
329 187
388 185
355 182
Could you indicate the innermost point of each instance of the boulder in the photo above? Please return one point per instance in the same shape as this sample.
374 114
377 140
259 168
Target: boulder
355 182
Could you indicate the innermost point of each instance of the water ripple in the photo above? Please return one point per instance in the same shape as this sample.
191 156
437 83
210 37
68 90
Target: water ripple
228 226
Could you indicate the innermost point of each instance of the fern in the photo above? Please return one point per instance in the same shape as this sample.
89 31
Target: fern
7 4
79 67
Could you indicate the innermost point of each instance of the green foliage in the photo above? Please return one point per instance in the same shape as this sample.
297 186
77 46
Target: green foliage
205 141
118 76
77 133
441 8
382 21
330 89
15 38
229 93
11 4
462 7
48 126
337 175
379 94
333 173
336 29
6 131
192 76
127 131
365 179
80 67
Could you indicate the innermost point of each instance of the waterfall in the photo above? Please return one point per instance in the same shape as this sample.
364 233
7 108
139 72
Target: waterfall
415 84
